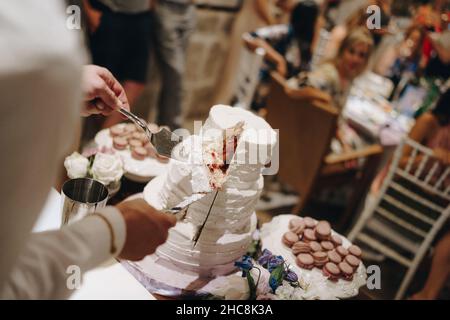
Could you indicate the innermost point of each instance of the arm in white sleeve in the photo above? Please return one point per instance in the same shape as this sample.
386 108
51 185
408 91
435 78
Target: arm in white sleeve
42 271
40 91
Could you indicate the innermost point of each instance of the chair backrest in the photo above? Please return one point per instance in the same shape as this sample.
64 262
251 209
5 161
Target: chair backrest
411 207
248 76
305 135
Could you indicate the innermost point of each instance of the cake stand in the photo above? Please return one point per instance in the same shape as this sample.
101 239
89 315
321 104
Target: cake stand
167 280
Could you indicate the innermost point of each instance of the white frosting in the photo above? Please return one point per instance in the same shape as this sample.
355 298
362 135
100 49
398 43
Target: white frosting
227 233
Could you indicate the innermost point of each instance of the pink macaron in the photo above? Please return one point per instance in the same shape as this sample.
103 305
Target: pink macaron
327 245
320 258
310 222
305 261
323 230
337 240
297 225
331 271
289 238
134 143
334 257
130 128
117 130
309 235
346 271
315 246
120 143
355 251
139 153
352 261
300 247
342 251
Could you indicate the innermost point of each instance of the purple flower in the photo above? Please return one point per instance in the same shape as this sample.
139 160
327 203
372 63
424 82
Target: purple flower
245 265
291 276
264 259
274 262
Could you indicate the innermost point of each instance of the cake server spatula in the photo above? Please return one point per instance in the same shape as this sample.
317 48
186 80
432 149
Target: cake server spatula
164 140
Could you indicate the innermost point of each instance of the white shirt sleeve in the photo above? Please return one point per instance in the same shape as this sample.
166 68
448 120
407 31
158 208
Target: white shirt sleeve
40 98
44 270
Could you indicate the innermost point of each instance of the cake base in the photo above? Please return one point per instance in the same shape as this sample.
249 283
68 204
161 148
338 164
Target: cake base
177 284
161 277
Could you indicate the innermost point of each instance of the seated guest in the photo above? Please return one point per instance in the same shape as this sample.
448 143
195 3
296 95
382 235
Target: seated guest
288 47
336 76
339 32
440 269
432 129
356 20
404 57
439 63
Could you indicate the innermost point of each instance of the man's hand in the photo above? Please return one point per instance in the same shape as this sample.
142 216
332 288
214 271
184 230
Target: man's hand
146 229
102 92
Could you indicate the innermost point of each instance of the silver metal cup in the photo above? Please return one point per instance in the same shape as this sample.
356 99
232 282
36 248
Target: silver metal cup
80 197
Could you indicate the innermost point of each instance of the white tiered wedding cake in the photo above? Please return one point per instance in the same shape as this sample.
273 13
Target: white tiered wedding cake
247 142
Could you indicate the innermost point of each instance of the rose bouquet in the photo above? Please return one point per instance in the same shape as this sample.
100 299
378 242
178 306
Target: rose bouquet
104 165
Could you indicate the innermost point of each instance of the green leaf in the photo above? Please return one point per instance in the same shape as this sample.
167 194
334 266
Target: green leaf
252 286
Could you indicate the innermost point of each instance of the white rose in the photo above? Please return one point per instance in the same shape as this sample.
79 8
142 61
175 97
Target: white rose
233 287
76 165
107 168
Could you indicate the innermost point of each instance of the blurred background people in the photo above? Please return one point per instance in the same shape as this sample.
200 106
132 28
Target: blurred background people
174 23
431 129
119 40
336 75
397 60
254 14
288 47
439 272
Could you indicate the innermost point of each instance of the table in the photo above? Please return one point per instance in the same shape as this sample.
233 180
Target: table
368 110
109 281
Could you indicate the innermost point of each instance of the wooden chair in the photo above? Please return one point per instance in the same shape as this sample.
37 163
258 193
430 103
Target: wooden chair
305 132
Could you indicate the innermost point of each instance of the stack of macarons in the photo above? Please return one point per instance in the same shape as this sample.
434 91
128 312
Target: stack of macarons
128 136
314 245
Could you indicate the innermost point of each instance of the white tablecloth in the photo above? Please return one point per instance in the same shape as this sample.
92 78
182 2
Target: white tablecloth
108 282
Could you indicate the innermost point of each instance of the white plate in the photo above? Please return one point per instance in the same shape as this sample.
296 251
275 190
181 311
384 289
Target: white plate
135 170
271 234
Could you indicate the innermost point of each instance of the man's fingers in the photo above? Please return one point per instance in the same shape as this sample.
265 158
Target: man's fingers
115 87
107 96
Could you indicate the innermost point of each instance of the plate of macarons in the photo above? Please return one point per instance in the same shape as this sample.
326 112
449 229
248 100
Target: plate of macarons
326 260
141 163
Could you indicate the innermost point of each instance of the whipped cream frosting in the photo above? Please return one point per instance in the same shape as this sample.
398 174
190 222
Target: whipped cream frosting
228 231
